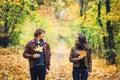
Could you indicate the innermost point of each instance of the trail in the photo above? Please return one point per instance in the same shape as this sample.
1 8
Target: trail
60 65
61 68
15 67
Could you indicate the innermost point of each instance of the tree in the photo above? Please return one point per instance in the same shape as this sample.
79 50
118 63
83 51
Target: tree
99 13
111 45
12 13
81 7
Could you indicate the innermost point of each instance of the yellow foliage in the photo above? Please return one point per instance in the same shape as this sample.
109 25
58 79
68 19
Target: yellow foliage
39 48
15 67
83 53
17 2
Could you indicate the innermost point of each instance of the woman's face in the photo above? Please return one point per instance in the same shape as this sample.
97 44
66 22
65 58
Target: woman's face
77 41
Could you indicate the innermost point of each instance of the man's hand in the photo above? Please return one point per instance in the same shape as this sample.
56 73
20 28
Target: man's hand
36 55
47 71
80 57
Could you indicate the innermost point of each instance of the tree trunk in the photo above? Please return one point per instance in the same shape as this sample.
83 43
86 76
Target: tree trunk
85 6
111 48
81 7
6 26
4 41
101 25
40 2
99 13
4 36
109 28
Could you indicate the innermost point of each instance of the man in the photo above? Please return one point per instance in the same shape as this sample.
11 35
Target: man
37 51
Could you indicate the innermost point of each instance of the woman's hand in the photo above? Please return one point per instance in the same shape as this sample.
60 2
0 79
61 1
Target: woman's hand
36 55
47 71
89 73
80 57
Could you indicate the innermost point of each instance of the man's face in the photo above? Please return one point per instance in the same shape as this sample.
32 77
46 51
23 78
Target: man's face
42 35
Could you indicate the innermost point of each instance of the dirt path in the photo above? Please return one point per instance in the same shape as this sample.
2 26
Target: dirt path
60 65
15 67
61 68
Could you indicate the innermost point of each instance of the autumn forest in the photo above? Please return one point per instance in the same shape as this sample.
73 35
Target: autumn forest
62 20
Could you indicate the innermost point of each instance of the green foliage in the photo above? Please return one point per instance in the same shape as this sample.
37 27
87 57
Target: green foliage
25 16
109 56
14 12
32 23
15 37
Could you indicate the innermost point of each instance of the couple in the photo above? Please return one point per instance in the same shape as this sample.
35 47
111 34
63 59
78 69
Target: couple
37 51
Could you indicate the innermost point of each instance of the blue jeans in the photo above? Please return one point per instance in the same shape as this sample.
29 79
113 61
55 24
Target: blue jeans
80 74
38 73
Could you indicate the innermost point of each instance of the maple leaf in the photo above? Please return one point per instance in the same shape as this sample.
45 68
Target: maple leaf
38 48
83 53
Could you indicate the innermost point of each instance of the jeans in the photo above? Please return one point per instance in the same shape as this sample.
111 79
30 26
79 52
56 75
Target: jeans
80 74
38 73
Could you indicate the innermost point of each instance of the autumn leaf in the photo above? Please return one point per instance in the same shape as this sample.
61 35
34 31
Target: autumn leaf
83 53
38 48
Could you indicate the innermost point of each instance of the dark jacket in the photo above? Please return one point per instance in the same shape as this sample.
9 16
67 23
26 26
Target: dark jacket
29 51
73 58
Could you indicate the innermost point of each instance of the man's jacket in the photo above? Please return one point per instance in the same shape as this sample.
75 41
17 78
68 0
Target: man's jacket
29 51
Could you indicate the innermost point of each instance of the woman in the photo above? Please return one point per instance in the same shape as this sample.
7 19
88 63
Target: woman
80 56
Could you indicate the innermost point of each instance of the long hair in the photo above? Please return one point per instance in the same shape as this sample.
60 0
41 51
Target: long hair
83 43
